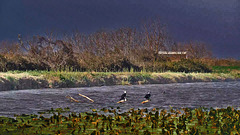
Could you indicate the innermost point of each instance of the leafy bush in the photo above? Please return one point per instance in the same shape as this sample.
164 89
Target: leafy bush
187 65
3 63
122 65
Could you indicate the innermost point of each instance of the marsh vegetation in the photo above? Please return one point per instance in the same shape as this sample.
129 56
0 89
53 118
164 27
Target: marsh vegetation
135 121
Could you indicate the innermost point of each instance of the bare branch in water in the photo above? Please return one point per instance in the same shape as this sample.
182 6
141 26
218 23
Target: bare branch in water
86 97
72 99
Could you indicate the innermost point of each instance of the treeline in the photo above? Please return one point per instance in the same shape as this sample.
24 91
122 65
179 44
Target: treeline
123 49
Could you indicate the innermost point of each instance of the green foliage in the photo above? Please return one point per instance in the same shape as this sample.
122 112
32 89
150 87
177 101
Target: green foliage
19 63
184 65
135 78
225 69
9 78
233 70
3 63
133 121
187 65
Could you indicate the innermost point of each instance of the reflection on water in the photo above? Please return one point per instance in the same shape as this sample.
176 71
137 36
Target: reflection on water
213 94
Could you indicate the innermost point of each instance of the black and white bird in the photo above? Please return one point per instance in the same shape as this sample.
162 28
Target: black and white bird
123 97
148 95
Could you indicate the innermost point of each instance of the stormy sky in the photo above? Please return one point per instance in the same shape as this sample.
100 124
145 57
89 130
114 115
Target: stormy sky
216 22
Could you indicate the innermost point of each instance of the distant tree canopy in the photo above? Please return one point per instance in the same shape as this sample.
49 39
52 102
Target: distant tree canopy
123 49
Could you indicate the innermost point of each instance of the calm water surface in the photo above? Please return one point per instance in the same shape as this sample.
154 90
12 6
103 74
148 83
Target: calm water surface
212 94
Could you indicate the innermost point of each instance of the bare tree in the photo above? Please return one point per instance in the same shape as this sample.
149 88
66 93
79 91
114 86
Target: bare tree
56 54
198 50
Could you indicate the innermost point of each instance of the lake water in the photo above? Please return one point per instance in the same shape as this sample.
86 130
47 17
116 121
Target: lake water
178 95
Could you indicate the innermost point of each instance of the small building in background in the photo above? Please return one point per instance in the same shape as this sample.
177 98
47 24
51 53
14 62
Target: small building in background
173 54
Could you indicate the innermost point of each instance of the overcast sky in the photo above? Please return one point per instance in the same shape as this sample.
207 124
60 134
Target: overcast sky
216 22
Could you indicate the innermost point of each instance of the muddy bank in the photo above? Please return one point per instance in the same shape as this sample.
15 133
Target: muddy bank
65 80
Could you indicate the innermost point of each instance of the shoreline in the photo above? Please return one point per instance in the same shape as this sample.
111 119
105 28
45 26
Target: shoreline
26 80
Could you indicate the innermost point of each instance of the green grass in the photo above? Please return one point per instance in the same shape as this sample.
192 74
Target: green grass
129 77
232 70
225 69
9 78
133 121
79 79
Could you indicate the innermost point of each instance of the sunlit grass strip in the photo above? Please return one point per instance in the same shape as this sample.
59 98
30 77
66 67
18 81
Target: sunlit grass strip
79 79
5 75
134 121
178 76
96 75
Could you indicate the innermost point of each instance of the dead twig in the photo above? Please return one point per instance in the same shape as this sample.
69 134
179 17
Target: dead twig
86 97
72 99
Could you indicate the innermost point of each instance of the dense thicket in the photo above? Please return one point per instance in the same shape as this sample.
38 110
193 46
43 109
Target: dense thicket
123 49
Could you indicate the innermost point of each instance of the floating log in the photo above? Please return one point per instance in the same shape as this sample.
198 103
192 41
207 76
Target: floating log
121 101
143 102
72 99
86 97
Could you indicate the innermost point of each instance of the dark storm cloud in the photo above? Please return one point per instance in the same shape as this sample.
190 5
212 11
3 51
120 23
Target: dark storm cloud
215 22
11 18
87 16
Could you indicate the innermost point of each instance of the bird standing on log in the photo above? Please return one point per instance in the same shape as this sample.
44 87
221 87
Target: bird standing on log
123 97
147 96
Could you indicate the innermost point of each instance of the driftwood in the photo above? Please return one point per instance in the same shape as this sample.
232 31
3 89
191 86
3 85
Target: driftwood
143 102
72 99
86 97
